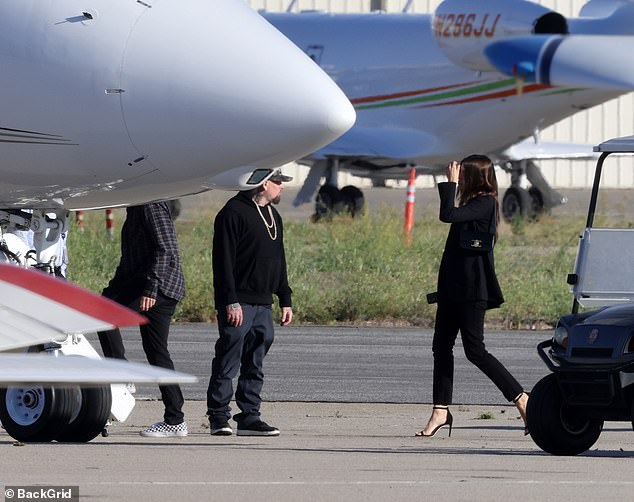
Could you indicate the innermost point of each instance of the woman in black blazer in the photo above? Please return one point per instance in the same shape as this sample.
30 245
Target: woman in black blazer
467 287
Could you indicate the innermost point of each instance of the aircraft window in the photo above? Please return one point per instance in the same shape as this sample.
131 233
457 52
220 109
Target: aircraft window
315 52
258 176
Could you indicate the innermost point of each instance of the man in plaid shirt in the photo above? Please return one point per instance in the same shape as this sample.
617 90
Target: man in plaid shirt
149 279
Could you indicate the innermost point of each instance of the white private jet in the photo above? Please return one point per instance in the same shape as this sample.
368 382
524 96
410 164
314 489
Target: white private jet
122 103
480 76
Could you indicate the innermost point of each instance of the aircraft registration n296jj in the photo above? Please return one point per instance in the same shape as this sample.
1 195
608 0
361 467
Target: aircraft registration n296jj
475 76
116 103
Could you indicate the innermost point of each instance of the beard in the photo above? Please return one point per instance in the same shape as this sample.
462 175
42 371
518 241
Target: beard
276 200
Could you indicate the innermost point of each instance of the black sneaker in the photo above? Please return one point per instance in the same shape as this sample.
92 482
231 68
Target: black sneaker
220 428
257 429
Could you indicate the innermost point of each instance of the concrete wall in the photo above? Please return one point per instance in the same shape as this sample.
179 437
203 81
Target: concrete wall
615 118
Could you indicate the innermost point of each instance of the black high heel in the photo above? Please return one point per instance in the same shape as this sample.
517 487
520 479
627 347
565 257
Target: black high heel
448 421
528 395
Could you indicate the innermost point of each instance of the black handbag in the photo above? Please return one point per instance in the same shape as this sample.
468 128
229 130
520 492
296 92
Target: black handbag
480 242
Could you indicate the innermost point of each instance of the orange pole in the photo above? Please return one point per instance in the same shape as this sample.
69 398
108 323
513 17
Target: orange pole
409 205
109 223
79 219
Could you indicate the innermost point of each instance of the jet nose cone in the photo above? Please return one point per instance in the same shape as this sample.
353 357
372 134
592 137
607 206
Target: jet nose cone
342 117
223 92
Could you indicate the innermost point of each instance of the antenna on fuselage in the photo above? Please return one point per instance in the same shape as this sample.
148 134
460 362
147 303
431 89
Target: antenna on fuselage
407 6
291 5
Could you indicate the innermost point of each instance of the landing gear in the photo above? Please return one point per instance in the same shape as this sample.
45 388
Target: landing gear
91 410
327 203
516 203
32 413
331 202
353 200
531 203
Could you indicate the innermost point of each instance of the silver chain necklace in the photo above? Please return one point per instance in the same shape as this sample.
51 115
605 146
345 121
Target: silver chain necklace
272 225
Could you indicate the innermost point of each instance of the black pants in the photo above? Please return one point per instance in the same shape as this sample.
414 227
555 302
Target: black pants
468 318
240 348
154 337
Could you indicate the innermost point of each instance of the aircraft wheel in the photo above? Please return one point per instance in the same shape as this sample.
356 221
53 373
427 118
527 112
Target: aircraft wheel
353 200
32 413
537 202
328 202
516 203
555 427
90 414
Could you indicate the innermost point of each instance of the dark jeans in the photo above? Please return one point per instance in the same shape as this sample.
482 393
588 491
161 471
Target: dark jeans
240 348
154 337
468 318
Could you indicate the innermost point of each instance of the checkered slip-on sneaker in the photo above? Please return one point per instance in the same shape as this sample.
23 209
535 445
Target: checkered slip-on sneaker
163 430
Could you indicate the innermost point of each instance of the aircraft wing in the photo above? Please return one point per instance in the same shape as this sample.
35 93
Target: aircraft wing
386 142
46 369
544 150
36 308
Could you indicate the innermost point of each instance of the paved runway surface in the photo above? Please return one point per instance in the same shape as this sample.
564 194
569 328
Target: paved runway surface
348 401
350 364
329 452
357 446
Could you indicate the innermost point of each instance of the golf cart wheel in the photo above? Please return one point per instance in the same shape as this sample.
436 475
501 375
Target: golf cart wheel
32 413
90 414
555 427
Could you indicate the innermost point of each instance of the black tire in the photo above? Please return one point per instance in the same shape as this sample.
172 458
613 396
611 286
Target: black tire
353 200
537 203
516 204
32 413
555 427
90 414
328 202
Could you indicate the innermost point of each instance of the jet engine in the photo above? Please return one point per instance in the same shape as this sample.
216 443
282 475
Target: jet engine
464 28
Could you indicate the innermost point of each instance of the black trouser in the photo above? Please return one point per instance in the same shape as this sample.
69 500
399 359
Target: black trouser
154 337
468 318
240 348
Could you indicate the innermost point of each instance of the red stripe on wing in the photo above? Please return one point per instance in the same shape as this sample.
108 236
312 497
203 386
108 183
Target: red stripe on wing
70 295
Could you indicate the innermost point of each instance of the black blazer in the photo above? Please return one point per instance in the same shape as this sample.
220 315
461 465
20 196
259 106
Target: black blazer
466 276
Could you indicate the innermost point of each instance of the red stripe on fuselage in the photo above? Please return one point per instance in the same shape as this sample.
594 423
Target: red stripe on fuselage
486 97
372 99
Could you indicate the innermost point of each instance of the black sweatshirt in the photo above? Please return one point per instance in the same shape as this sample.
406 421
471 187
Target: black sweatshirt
249 266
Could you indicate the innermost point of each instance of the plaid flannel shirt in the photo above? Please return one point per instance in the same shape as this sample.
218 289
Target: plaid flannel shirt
150 259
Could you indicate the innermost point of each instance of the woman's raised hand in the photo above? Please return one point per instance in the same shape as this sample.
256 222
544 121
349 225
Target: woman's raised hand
453 171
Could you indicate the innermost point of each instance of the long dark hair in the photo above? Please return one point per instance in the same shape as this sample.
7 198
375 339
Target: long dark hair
477 178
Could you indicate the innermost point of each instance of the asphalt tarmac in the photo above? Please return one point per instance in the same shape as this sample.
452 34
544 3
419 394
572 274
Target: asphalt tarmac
347 401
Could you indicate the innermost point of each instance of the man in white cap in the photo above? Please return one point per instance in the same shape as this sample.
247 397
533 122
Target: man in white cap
249 266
